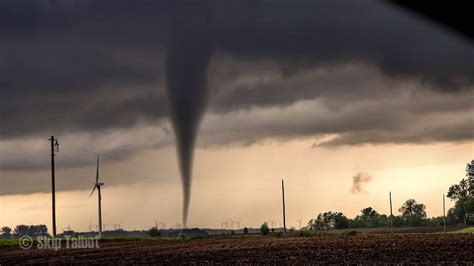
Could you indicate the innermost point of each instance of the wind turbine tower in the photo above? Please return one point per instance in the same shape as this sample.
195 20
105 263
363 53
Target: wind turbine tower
97 186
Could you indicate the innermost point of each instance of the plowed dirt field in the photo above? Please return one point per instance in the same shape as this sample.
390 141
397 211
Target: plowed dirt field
409 248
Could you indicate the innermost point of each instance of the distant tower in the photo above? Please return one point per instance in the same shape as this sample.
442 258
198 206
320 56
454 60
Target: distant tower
97 186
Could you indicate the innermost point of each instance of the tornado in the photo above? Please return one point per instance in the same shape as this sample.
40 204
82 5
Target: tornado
187 60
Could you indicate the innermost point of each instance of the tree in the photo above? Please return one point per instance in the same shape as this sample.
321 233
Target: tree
246 230
463 195
383 220
357 222
413 209
452 218
38 230
412 212
340 221
369 217
435 221
154 232
470 171
264 229
462 190
32 230
369 212
322 222
398 221
6 231
329 220
22 230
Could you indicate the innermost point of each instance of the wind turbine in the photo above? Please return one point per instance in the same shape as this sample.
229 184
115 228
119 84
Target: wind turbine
90 226
223 224
98 185
238 224
118 226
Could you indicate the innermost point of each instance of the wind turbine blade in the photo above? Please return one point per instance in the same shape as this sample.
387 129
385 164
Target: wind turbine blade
97 172
98 190
92 191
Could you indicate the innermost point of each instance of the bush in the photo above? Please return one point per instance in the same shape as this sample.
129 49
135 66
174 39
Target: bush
304 233
357 223
264 229
453 218
383 220
397 221
6 232
434 221
154 232
413 221
246 230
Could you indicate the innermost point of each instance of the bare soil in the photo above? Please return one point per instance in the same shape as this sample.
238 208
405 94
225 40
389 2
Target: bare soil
402 248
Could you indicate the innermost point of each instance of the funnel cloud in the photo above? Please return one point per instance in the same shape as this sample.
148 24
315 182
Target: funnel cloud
187 59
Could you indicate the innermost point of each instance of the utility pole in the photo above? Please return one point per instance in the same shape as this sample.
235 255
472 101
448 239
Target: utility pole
54 147
284 218
391 213
444 214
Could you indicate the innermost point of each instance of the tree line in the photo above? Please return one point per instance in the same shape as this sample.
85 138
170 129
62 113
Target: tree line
25 230
412 213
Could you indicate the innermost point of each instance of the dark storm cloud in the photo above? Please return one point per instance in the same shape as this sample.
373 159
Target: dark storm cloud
92 66
56 55
95 73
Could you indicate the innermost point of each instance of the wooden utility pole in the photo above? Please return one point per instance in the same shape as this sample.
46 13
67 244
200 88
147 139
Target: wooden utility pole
444 214
391 213
54 145
284 216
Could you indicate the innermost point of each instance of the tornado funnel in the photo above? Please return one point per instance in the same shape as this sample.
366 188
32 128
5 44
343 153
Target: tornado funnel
186 74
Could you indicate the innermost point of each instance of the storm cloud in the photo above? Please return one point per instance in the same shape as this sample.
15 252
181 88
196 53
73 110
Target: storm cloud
359 181
362 71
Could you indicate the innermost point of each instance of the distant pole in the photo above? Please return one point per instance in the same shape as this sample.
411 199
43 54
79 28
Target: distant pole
54 144
284 216
100 212
444 214
391 213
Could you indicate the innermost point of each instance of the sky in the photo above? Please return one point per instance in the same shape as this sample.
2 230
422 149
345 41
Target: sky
344 100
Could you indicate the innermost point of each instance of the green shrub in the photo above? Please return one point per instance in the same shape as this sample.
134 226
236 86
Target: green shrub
264 229
304 233
154 232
